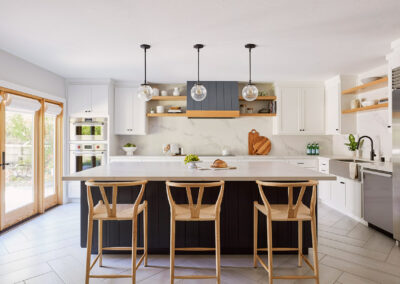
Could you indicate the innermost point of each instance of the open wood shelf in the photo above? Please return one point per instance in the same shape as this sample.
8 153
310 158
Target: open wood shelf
168 98
258 114
165 114
361 87
261 98
384 105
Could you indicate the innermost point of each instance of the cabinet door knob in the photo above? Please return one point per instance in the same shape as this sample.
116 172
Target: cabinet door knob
337 129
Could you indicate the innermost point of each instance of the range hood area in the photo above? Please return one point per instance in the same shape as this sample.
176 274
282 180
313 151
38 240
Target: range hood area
221 101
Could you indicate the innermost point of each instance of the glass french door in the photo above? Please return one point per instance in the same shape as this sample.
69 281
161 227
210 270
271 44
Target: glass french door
20 171
31 156
50 176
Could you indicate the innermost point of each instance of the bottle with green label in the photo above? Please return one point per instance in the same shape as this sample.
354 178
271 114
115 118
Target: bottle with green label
308 151
313 148
317 149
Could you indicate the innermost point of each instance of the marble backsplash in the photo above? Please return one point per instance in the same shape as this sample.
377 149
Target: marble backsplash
209 136
373 124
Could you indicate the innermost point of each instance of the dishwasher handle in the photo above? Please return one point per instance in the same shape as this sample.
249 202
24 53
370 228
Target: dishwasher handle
377 173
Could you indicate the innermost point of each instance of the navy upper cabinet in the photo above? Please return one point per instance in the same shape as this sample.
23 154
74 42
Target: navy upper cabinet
222 96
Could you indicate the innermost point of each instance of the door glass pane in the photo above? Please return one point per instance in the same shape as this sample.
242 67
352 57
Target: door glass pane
19 153
49 155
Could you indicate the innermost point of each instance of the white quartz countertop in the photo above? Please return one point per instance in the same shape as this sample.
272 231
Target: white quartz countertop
176 170
208 157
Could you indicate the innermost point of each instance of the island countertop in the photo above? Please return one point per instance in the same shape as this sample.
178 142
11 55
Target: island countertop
161 171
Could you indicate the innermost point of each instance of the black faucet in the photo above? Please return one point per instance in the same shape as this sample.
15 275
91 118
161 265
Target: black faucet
372 145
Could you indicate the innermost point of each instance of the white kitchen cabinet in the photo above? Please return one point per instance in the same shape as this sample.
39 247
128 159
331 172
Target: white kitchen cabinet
353 198
324 186
338 194
88 100
335 102
346 196
79 99
313 110
129 112
301 109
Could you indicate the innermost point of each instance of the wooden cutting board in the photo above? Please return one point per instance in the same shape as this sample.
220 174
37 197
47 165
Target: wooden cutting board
258 145
263 147
253 136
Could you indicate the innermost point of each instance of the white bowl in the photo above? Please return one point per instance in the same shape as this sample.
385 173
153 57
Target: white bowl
368 103
129 150
370 79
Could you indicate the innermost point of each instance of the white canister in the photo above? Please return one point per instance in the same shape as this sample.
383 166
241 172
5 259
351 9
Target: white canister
176 92
164 93
160 109
156 92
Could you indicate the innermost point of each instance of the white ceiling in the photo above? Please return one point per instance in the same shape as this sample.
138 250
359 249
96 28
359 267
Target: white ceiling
297 40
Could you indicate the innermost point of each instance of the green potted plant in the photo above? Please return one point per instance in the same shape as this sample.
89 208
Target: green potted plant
191 160
129 148
353 145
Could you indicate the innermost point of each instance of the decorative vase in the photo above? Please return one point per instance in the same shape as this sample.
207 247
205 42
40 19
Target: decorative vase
176 92
354 154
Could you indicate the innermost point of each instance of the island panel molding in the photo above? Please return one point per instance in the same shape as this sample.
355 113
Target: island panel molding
236 220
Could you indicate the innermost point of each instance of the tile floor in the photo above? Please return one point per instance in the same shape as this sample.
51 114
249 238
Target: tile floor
45 250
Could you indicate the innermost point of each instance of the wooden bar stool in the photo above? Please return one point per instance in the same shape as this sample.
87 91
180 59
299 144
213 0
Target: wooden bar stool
104 211
198 212
287 212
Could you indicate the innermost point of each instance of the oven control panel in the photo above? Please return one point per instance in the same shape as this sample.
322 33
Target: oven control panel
87 147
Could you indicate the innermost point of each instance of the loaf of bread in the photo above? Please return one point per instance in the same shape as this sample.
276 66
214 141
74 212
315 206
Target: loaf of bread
219 164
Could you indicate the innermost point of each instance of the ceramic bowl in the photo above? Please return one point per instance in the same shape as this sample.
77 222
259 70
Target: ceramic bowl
368 103
369 79
129 150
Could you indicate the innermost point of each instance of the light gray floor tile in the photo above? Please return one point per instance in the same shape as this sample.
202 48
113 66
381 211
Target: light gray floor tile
50 278
347 278
360 270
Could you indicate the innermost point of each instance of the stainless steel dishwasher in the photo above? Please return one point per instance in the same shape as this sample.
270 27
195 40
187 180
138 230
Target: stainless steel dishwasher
378 199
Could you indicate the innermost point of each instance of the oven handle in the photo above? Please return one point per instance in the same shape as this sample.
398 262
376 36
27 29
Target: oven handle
78 153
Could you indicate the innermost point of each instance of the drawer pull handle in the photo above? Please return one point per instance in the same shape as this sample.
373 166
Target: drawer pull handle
342 182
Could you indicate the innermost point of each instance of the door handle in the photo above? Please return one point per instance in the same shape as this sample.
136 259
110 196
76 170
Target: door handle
3 161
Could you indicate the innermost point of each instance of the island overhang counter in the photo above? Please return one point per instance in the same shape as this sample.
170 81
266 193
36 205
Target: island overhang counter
236 210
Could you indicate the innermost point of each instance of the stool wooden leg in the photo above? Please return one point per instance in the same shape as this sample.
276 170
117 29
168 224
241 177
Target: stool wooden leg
134 246
89 248
100 242
315 247
269 240
218 249
145 233
300 243
255 235
172 251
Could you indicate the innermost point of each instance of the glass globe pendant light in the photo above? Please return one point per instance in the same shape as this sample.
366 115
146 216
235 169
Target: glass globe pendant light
250 91
145 92
198 91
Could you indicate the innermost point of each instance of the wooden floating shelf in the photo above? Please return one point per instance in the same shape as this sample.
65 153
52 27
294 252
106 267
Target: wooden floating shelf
258 114
261 98
384 105
168 98
361 87
166 114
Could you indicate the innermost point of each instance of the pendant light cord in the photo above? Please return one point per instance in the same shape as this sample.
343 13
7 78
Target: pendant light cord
145 69
249 66
198 66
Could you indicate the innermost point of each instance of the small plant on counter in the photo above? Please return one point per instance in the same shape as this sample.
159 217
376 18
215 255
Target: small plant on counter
191 158
129 145
352 145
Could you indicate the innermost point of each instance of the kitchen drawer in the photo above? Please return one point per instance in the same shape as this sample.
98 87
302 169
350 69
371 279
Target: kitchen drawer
305 163
323 165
